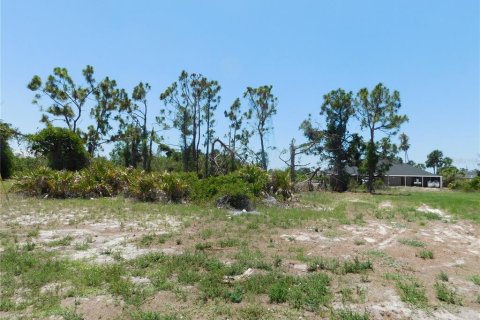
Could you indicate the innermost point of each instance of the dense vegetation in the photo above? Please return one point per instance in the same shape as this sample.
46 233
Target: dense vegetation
122 119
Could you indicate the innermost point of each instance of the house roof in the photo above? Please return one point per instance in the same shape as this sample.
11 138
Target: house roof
403 169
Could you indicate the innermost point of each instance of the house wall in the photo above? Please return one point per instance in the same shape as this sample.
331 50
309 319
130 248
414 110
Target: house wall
410 181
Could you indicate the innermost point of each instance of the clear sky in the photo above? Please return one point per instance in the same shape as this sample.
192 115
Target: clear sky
428 50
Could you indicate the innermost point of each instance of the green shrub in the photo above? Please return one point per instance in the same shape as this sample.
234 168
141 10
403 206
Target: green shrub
445 294
175 186
412 292
466 185
6 159
147 187
231 190
379 184
425 254
255 177
101 179
63 148
6 155
280 184
278 292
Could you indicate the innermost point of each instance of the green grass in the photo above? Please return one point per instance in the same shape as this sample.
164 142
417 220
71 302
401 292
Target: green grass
65 241
412 243
442 276
153 315
334 265
349 315
446 294
425 254
411 291
476 279
221 247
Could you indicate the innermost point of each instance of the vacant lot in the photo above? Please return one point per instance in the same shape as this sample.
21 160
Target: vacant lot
403 254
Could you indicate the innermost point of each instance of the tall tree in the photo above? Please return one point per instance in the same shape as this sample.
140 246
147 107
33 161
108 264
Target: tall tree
190 96
404 145
6 153
236 131
338 109
109 99
212 99
378 111
140 114
68 99
434 160
264 107
356 149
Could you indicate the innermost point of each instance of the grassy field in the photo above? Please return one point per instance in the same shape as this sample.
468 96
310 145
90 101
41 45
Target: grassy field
403 253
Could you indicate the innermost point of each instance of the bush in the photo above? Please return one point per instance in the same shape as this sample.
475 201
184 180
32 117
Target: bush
256 177
6 159
231 190
63 148
45 181
466 185
175 185
102 179
280 184
147 187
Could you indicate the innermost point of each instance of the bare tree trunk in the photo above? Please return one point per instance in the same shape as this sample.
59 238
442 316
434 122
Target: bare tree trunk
293 175
150 153
264 159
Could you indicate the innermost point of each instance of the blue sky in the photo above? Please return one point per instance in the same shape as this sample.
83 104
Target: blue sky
428 50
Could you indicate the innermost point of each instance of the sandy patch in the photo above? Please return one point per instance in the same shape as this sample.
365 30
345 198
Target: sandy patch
426 209
103 307
385 205
103 242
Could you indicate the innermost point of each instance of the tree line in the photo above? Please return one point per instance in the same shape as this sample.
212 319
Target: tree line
122 118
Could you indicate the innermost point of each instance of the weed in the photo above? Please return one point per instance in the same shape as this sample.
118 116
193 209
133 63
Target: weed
71 315
349 315
358 219
278 292
203 246
236 295
28 246
33 233
152 315
310 292
445 294
147 240
347 295
65 241
357 266
253 312
412 292
277 261
412 242
229 242
6 305
476 279
359 242
252 259
85 245
187 276
442 276
425 254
